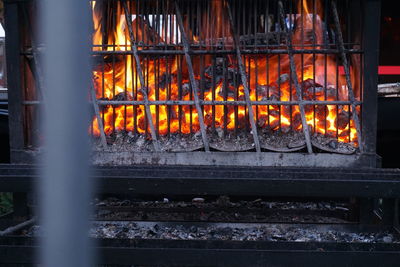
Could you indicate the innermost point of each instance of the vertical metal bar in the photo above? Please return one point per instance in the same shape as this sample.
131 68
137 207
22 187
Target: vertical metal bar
65 187
295 80
15 96
99 119
195 88
347 72
35 54
134 51
113 26
371 26
244 82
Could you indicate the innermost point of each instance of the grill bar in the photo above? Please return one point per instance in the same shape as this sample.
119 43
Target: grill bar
193 83
216 102
35 57
244 82
293 73
347 73
99 118
140 73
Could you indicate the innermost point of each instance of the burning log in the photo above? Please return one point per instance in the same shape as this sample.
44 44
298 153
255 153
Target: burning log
321 112
313 91
227 92
186 89
296 121
267 92
262 121
343 119
283 78
166 79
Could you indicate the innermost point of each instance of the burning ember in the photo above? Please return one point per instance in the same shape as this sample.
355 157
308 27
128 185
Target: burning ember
217 75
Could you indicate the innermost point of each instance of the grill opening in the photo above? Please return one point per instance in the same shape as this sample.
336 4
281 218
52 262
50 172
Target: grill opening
257 72
218 76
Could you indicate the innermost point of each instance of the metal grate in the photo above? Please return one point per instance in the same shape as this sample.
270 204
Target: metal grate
252 41
221 75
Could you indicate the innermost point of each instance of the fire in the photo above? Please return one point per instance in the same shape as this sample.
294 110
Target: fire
167 78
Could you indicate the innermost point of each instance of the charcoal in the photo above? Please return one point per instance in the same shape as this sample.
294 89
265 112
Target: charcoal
308 109
311 90
344 133
173 114
166 79
226 92
268 92
333 144
234 76
122 97
275 113
331 94
342 119
216 69
283 78
208 119
262 121
321 112
186 89
285 128
142 123
273 125
296 121
323 124
330 133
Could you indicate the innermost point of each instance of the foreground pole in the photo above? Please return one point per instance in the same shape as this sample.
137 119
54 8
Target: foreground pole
65 189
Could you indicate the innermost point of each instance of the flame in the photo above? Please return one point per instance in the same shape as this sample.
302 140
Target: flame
118 78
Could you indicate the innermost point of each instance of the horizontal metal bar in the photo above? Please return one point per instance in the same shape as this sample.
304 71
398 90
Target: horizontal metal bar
223 52
235 181
218 45
23 250
203 102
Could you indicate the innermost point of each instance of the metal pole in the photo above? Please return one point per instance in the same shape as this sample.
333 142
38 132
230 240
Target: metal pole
65 187
371 27
13 30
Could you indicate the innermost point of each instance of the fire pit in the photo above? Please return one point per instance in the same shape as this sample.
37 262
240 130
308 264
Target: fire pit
262 83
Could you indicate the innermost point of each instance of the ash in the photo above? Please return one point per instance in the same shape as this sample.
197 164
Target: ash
282 141
127 141
332 145
230 231
230 141
235 232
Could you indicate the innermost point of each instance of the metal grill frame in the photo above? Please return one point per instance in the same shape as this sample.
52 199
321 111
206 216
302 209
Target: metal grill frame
16 13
